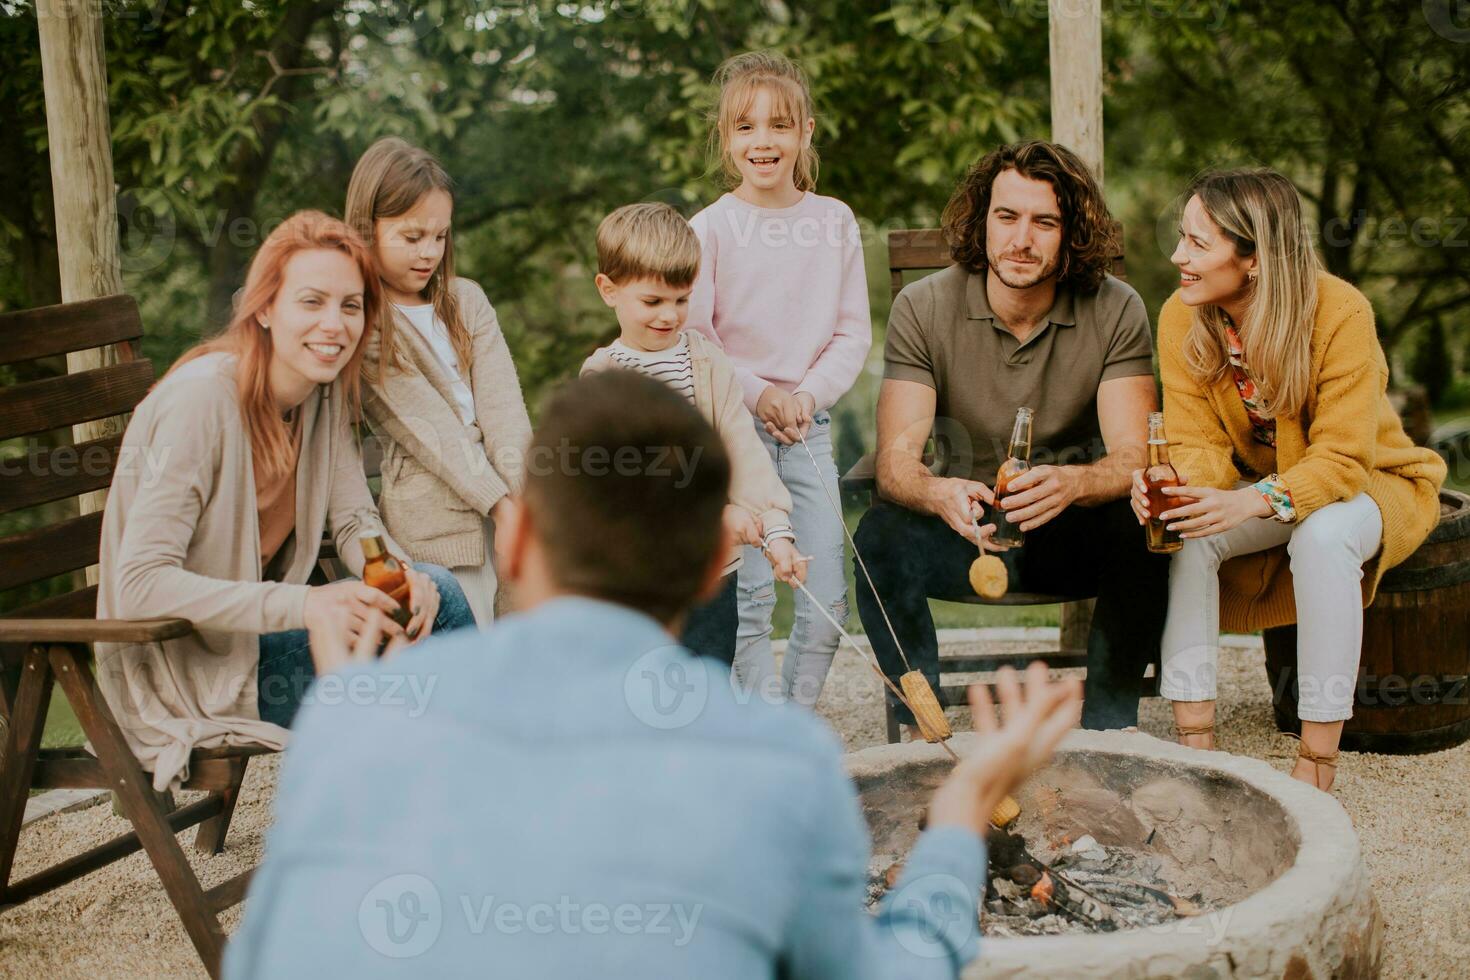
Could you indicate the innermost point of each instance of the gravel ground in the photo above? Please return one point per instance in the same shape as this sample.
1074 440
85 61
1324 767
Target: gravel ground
1410 811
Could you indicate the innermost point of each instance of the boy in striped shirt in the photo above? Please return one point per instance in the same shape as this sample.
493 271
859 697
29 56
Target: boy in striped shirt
647 261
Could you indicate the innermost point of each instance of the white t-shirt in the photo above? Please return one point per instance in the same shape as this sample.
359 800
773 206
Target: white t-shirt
433 330
674 366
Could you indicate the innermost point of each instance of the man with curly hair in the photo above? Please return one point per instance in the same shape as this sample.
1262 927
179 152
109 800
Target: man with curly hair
1028 316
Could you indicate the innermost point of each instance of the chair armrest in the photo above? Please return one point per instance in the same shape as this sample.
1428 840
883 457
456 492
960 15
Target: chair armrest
93 630
862 476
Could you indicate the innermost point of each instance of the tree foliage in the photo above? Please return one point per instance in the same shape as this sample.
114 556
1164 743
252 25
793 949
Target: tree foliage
227 116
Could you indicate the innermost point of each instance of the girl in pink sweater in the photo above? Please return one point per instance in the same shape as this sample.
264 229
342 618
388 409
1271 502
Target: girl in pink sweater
782 290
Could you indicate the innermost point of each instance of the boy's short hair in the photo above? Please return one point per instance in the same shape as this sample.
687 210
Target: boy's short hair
648 241
626 485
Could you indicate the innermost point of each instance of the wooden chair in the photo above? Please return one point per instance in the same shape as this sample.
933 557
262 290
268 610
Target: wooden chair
913 250
51 640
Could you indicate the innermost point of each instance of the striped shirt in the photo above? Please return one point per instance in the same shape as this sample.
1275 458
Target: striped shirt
673 367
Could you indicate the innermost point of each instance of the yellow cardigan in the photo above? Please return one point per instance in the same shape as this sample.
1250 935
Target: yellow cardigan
1347 440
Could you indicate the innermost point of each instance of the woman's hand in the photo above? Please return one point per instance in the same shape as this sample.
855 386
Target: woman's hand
334 646
1212 511
423 603
743 526
786 562
346 605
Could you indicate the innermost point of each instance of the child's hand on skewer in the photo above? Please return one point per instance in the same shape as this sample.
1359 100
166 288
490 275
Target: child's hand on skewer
786 416
743 526
788 565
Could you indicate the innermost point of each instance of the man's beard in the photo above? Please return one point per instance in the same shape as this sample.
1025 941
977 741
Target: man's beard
1046 272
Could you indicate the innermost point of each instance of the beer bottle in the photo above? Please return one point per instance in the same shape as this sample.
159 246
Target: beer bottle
1018 461
1160 474
383 571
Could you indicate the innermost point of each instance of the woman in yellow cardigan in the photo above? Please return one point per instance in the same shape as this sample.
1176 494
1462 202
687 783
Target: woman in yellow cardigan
1302 487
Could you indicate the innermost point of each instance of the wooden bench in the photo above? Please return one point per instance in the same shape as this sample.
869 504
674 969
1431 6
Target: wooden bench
915 250
50 641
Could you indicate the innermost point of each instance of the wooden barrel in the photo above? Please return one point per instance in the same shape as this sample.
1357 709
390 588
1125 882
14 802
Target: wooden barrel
1412 693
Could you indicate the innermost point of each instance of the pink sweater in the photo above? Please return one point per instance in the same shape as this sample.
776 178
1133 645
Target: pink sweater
784 292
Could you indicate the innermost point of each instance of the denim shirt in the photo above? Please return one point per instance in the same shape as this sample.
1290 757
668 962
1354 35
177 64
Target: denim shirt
572 794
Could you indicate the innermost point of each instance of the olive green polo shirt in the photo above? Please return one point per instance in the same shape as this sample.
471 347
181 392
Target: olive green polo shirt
943 333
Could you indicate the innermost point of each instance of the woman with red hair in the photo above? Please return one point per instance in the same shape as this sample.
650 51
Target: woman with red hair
250 456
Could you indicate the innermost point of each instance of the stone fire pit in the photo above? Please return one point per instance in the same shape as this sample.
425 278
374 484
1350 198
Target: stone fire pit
1277 863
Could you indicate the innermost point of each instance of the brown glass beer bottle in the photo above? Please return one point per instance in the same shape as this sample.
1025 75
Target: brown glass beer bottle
1160 474
1018 461
383 571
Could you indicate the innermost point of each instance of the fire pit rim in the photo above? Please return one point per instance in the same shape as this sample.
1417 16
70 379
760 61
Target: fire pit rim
1328 854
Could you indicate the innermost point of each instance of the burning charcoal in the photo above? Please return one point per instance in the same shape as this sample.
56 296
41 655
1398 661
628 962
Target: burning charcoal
1025 875
894 872
1043 890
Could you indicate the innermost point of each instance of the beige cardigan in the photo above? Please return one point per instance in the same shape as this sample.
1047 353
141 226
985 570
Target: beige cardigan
441 477
754 483
180 538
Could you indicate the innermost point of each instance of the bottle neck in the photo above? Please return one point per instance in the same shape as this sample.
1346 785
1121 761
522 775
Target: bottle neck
1158 452
1021 440
373 548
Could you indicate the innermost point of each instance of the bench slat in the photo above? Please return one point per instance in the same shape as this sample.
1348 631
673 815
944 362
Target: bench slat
56 403
65 546
51 473
26 335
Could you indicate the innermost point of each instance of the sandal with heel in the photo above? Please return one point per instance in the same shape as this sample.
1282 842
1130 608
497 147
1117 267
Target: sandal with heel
1305 751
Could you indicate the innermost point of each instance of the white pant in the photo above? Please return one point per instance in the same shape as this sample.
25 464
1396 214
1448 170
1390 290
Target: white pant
480 582
1327 552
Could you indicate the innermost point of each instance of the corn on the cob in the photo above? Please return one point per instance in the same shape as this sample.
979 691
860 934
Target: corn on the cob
1005 812
927 712
988 577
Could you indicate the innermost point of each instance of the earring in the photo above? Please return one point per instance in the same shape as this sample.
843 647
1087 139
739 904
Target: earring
1251 276
263 324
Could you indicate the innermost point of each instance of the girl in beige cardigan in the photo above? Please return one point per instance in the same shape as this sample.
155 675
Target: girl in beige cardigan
252 430
441 390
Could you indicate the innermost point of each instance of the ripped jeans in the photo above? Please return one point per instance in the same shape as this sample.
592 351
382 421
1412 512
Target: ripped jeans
819 534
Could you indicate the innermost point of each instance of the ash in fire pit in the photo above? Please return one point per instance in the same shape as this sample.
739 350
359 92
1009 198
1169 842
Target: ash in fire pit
1084 886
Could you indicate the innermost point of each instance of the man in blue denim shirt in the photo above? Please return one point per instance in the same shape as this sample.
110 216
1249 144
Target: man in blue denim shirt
572 794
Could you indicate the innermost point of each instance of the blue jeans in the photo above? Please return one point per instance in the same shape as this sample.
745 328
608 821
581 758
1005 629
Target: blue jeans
286 669
709 629
819 533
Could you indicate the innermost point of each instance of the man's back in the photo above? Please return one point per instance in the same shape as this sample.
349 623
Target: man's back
567 794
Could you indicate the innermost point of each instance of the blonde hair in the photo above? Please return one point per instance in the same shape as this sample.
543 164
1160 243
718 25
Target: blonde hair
248 340
388 181
1260 212
738 81
648 241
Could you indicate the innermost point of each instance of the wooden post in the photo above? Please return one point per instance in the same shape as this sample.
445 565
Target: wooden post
79 134
1076 79
1077 123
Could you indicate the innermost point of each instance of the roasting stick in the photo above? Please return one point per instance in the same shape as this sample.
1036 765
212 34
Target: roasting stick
920 700
871 661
